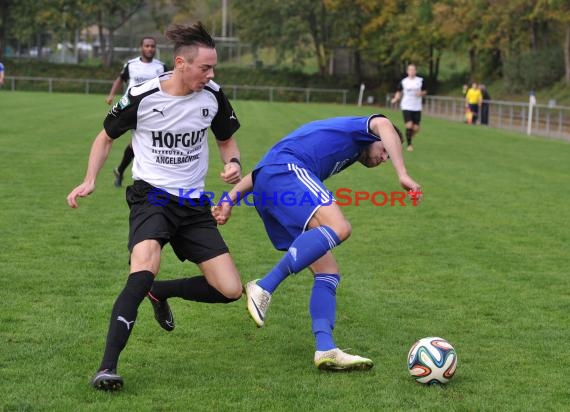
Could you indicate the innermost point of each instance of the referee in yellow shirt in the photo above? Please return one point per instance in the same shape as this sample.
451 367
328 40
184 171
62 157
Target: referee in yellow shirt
473 100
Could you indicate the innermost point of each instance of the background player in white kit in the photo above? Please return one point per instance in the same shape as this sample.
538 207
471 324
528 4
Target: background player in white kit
183 103
411 90
135 71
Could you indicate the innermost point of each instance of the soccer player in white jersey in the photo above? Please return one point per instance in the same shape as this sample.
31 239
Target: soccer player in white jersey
411 90
308 224
170 116
135 71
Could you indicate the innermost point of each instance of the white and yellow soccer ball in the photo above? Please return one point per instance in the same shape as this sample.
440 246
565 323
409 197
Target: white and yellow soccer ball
432 360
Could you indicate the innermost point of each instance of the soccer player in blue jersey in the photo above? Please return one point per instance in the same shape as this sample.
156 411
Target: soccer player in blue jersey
309 229
1 74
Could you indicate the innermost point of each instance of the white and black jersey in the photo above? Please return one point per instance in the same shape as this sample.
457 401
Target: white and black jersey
136 71
170 133
410 88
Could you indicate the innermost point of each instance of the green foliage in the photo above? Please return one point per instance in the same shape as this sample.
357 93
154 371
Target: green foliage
482 262
534 69
380 37
69 71
281 77
296 28
225 75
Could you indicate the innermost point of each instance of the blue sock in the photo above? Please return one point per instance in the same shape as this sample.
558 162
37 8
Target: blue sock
306 249
322 307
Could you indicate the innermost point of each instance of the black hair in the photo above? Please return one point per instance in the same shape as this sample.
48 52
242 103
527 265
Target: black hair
193 35
398 131
147 38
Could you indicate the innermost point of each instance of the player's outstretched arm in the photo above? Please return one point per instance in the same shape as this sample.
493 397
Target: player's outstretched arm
223 211
114 89
230 156
385 129
99 151
396 97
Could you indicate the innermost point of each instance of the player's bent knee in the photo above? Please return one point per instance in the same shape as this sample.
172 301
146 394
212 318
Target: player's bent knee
343 230
233 294
229 293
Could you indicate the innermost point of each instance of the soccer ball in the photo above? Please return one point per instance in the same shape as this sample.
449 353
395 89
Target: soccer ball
432 361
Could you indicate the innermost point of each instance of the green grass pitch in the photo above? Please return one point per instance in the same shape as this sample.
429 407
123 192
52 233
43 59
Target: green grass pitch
482 262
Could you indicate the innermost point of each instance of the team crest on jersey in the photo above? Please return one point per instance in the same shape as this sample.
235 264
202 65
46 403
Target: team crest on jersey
124 102
205 112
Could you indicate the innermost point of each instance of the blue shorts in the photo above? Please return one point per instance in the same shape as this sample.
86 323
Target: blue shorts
286 197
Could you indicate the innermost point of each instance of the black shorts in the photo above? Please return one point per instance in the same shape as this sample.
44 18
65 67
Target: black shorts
190 228
412 116
474 108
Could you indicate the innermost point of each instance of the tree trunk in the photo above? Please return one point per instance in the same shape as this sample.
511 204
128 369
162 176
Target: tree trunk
567 53
431 61
110 48
319 47
472 62
358 66
436 69
533 35
102 41
3 27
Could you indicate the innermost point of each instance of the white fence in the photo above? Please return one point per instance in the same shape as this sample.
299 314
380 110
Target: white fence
244 92
548 121
52 84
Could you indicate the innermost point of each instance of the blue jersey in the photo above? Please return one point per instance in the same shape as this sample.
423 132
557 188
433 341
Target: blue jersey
324 147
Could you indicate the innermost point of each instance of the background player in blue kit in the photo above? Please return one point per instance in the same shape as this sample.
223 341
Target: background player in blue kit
1 74
185 103
308 230
135 71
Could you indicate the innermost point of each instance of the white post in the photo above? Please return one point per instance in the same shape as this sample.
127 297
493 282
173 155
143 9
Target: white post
361 94
531 104
224 18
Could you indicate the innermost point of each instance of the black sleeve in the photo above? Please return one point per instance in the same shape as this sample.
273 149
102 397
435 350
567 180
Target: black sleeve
123 116
423 85
225 123
400 86
368 124
125 73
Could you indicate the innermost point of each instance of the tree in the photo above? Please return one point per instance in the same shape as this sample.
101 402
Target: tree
5 7
378 39
351 21
398 32
420 39
110 15
558 11
165 12
295 28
